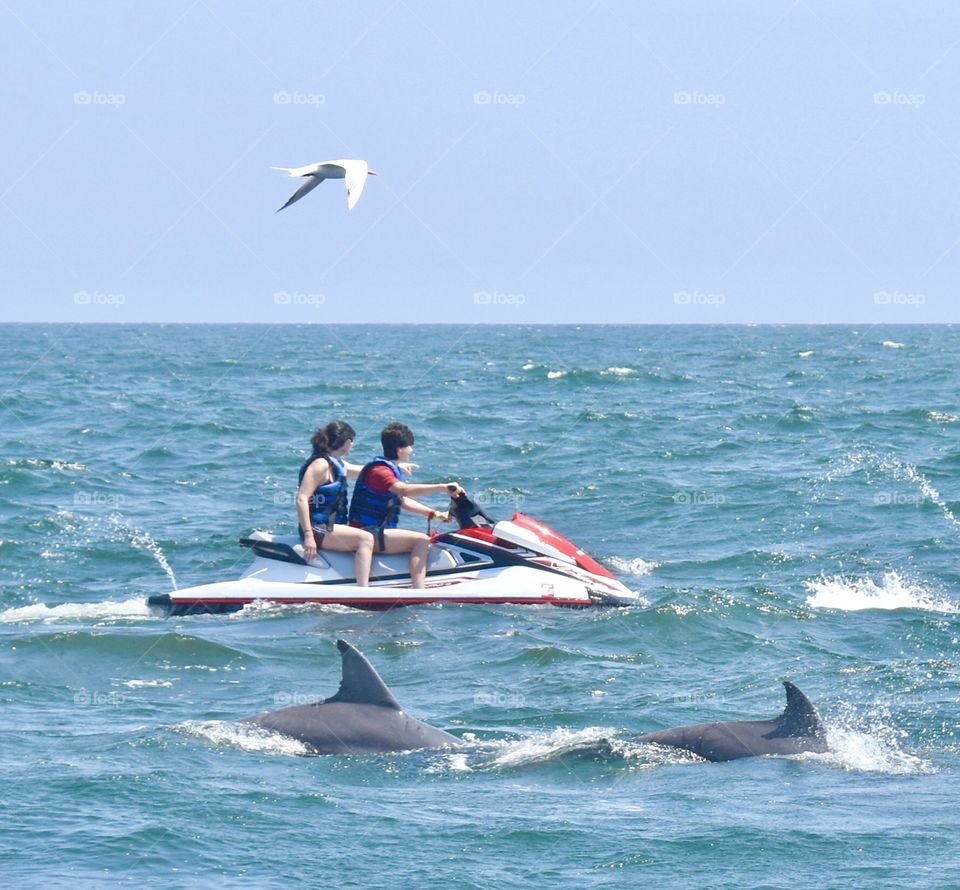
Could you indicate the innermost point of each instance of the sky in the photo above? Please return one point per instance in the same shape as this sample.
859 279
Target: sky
562 162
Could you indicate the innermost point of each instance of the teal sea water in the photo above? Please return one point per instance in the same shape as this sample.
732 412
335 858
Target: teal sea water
785 499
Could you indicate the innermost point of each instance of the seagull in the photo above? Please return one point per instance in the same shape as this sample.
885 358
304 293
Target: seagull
354 172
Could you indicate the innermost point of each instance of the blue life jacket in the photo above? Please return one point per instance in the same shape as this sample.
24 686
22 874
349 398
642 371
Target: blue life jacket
375 509
328 503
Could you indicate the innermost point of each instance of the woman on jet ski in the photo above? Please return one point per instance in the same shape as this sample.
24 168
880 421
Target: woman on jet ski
380 494
322 500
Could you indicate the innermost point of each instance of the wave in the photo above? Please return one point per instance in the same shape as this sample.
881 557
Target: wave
798 415
589 373
167 650
856 594
550 746
893 344
866 752
267 609
39 463
865 740
147 684
596 375
942 417
637 567
541 656
110 610
589 415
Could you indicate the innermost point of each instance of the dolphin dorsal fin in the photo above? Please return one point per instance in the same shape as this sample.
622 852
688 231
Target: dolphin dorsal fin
360 684
800 717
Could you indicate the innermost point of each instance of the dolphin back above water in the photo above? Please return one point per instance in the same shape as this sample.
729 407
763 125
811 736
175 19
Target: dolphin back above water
796 730
362 718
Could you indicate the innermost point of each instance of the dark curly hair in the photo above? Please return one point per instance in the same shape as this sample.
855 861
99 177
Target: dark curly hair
393 437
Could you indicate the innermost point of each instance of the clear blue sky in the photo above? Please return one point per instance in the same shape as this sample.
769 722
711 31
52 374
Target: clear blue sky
539 162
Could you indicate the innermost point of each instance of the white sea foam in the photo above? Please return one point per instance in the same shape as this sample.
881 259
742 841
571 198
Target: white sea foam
450 762
553 375
106 611
873 751
147 684
806 353
893 344
943 417
265 609
618 372
41 464
546 746
245 736
636 566
856 594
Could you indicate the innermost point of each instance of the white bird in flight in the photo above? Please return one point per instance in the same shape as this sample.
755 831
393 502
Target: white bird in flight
354 172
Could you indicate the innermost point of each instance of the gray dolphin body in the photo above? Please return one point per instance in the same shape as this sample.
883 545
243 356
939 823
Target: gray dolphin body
796 730
362 718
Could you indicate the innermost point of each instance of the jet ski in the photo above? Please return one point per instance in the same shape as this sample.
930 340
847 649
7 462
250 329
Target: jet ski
519 561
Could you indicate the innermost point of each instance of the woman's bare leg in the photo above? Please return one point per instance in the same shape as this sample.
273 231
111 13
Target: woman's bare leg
346 539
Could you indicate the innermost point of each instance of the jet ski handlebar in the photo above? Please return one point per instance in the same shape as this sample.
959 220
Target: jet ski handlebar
468 513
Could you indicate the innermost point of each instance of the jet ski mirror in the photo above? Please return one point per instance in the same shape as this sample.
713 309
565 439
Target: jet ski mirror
468 513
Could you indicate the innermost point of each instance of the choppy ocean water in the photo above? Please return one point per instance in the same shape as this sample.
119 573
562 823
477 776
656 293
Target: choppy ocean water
785 499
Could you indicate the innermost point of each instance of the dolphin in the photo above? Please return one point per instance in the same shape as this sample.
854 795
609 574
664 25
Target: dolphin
362 718
797 729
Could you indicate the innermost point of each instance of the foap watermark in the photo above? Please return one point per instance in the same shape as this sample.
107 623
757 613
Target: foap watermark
898 298
698 698
495 97
296 97
293 699
298 298
98 499
699 498
695 97
284 498
499 699
501 499
87 699
95 97
896 97
698 298
97 298
498 298
898 498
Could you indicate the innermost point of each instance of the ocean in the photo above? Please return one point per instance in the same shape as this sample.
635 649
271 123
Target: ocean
786 500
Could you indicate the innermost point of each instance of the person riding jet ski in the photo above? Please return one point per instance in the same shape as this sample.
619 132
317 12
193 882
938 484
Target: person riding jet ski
380 493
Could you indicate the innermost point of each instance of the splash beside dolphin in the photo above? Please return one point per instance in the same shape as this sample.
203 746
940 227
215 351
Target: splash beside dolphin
796 730
362 718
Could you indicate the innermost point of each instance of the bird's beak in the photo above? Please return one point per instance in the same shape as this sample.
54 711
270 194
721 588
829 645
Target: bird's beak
371 173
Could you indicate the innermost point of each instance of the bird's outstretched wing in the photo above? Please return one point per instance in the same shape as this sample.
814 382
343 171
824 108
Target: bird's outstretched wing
356 179
311 182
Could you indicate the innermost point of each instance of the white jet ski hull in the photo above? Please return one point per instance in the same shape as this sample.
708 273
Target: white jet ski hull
467 566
